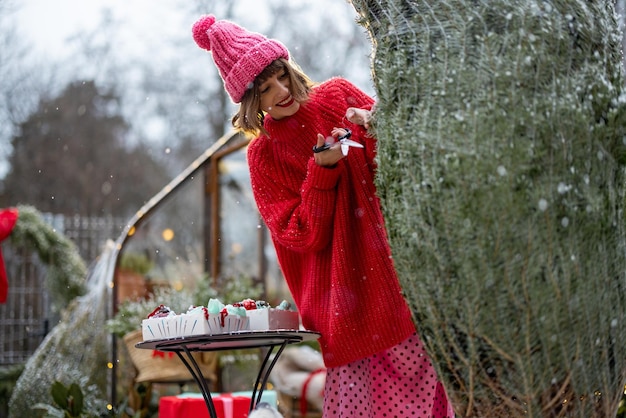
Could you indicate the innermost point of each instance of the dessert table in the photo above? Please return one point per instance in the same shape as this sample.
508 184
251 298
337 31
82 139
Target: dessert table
274 340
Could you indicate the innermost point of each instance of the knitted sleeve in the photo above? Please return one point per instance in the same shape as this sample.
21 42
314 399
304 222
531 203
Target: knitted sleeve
340 94
298 212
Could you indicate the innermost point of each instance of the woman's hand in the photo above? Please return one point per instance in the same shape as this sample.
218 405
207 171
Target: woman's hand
359 116
339 133
329 156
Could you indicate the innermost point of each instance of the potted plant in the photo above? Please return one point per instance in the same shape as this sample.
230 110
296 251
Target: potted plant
132 281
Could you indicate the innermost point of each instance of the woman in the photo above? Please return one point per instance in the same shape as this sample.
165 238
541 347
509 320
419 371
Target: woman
318 199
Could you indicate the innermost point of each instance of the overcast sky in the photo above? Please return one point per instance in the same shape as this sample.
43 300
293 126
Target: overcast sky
49 23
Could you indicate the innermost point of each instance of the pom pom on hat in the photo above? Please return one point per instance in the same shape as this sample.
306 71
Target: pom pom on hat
200 29
240 55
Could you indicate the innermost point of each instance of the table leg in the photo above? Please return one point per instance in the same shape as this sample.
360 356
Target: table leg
195 371
264 374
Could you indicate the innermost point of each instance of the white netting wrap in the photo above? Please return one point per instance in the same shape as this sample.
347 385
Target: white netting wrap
501 130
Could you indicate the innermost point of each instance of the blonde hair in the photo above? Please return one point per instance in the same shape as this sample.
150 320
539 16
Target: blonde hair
249 118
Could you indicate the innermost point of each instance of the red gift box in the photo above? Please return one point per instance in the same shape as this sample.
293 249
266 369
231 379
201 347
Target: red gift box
226 406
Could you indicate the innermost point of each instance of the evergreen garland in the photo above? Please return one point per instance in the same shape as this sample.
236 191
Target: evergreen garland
66 270
501 129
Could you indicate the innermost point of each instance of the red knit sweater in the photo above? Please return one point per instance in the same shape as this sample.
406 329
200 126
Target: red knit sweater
327 228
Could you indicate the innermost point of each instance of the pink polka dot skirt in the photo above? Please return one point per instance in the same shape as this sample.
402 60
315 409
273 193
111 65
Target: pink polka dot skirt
396 383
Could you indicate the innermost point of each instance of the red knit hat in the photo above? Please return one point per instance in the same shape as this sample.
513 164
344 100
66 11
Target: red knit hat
8 218
239 55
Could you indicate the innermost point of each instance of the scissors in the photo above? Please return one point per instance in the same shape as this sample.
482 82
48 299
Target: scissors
345 142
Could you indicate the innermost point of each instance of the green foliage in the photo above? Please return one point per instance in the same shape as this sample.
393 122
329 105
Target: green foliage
69 402
234 289
138 263
66 270
8 378
501 130
131 313
69 399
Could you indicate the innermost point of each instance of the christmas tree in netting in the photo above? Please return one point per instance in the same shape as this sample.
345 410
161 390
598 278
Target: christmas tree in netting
501 128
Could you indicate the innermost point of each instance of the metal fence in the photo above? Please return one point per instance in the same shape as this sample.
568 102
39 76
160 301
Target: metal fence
89 233
26 317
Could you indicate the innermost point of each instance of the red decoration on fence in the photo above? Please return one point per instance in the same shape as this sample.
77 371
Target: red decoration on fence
8 218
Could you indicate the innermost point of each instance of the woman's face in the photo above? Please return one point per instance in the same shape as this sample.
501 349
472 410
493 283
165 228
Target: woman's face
276 99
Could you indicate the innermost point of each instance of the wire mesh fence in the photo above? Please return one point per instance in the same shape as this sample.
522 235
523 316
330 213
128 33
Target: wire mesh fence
26 317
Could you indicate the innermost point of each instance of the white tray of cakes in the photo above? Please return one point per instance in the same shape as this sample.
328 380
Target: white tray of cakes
218 318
